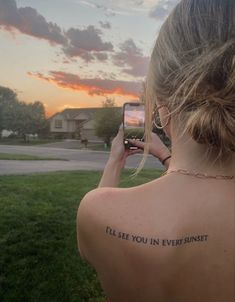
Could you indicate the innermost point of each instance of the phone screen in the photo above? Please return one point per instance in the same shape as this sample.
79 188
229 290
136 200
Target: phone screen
133 121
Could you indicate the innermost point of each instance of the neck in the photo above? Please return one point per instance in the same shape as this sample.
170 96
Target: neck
189 155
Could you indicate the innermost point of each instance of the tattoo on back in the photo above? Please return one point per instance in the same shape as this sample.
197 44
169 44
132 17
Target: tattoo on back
155 241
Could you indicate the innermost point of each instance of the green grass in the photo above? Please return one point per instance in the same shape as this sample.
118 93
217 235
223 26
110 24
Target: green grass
32 142
98 147
39 260
7 156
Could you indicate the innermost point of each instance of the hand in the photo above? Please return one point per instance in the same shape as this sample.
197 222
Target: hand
157 148
118 152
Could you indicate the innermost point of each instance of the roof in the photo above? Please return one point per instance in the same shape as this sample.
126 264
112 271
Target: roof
71 113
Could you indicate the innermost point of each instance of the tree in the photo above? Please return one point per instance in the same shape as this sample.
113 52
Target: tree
19 116
108 120
44 132
27 118
8 99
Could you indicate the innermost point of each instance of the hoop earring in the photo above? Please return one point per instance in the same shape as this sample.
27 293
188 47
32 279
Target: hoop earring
154 118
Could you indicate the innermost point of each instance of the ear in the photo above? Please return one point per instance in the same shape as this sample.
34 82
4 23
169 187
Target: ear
167 130
159 101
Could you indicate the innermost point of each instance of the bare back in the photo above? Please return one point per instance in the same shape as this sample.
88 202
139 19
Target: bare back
172 239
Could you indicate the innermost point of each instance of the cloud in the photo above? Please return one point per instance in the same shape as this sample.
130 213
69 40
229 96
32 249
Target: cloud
93 86
28 21
105 25
86 3
110 75
107 11
162 9
121 7
82 42
85 43
101 56
131 59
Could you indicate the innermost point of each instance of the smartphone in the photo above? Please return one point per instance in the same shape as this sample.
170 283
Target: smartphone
133 123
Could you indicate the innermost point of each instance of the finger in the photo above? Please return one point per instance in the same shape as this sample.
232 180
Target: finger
120 127
154 136
138 151
120 130
135 152
137 143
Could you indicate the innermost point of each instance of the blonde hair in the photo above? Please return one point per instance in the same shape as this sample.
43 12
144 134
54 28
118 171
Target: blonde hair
192 71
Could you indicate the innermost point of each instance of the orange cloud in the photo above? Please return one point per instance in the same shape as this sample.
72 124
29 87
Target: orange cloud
93 86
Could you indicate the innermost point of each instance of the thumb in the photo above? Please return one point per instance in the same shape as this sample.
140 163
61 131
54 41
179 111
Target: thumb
120 127
136 142
120 130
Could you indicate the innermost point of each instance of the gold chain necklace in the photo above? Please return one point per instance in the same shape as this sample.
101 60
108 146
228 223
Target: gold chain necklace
199 175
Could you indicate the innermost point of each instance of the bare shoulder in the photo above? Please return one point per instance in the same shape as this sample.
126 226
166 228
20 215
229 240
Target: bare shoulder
120 208
93 212
102 204
95 198
96 204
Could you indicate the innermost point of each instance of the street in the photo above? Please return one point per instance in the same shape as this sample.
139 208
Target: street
76 160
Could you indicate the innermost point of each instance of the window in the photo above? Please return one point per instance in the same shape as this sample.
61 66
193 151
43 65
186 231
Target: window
58 124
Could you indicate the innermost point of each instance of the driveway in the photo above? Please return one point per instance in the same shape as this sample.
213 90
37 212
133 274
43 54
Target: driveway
77 160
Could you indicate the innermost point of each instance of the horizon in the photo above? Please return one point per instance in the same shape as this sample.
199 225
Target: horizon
76 53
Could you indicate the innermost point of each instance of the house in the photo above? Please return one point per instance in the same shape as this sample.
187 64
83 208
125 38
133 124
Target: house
75 123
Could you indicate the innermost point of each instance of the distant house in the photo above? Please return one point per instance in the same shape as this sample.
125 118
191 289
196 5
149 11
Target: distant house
75 123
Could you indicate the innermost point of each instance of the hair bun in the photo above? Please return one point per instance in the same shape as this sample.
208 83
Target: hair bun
213 123
216 101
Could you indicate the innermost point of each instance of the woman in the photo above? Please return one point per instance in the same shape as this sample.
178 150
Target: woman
173 239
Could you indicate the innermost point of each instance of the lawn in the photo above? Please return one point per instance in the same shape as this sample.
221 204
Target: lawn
8 156
32 142
39 260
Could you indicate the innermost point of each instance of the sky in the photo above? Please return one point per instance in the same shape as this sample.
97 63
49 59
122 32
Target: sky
75 53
